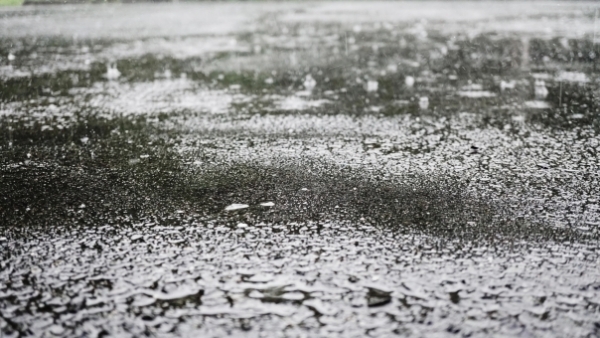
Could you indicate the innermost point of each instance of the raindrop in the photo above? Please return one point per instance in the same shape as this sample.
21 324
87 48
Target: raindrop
309 82
504 85
540 89
372 86
474 94
424 102
537 104
236 206
112 73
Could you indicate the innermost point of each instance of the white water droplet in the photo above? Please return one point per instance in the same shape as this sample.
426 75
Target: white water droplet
112 73
424 102
309 82
537 104
372 86
475 94
236 206
504 85
540 89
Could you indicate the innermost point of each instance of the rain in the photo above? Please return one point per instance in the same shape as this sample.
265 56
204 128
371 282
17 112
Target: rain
299 169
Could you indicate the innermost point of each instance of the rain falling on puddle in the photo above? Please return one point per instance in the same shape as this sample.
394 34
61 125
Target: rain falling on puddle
300 170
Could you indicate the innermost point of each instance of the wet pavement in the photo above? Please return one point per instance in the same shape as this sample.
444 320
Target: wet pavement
300 170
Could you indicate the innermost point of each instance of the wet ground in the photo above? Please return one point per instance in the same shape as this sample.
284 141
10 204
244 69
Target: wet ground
300 170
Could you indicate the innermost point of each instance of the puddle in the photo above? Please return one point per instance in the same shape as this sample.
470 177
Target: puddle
339 170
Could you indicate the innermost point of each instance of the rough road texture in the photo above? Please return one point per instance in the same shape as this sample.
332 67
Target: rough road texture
300 170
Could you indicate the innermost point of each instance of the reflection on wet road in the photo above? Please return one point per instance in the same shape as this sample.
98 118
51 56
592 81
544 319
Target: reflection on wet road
300 170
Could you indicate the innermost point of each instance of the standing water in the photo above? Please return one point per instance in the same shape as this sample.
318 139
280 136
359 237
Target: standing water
337 169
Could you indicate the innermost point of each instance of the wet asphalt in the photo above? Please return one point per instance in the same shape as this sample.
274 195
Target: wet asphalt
300 170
